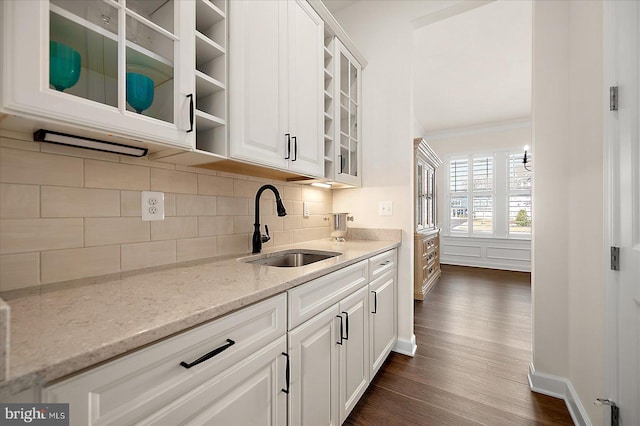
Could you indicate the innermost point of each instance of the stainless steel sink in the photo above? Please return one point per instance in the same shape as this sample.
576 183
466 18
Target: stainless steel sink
291 258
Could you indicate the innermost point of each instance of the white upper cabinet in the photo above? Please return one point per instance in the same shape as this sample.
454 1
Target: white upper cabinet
276 85
124 68
348 117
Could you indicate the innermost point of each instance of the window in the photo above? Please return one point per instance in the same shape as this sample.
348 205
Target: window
476 205
489 195
519 197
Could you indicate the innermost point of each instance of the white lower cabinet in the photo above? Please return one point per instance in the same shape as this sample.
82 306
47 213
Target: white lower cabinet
241 384
241 369
353 353
382 308
313 350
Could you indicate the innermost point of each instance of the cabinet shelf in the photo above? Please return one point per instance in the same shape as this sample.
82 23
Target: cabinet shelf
207 85
208 14
327 74
328 138
328 116
206 121
328 52
207 49
69 26
327 95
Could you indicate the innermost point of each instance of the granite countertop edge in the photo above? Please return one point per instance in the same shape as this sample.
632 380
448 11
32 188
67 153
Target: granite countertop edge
40 375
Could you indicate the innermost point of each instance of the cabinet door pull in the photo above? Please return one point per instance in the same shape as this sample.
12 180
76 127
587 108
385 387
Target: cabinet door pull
341 157
287 373
210 354
375 302
295 148
385 263
346 337
341 330
191 112
288 135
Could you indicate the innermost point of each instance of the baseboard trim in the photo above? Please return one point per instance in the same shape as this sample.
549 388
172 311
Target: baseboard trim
559 387
406 347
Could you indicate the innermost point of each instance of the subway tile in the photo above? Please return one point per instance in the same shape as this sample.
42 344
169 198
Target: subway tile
130 203
19 270
195 205
145 162
19 201
267 206
292 193
115 230
302 235
292 222
103 174
174 181
294 207
196 170
196 248
22 141
248 189
244 224
145 255
73 151
317 195
233 244
315 221
173 228
275 223
60 201
18 166
170 204
282 238
209 226
232 175
229 206
63 265
215 185
29 235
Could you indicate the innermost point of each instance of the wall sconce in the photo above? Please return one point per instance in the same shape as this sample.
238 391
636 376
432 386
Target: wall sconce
87 143
525 159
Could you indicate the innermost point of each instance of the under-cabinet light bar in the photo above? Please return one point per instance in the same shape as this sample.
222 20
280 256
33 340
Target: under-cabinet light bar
321 185
87 143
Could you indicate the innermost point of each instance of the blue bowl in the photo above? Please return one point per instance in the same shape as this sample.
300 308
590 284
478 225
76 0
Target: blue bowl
139 91
64 66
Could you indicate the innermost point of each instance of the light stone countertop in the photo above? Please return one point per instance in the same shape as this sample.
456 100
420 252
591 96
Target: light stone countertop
63 328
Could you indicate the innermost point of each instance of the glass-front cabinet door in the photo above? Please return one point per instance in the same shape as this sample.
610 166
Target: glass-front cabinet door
124 67
348 129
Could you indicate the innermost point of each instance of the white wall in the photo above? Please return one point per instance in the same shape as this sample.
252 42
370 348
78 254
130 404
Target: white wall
568 196
383 33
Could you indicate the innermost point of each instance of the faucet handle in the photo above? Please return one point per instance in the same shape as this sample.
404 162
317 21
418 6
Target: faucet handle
265 238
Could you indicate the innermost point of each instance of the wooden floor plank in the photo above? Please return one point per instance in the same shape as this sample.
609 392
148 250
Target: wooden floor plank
474 348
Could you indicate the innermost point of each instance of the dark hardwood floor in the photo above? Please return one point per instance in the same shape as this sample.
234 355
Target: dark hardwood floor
474 348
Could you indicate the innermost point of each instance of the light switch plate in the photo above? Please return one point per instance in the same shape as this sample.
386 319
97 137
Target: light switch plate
152 205
385 208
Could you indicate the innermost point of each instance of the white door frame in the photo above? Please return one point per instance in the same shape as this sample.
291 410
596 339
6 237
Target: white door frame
610 213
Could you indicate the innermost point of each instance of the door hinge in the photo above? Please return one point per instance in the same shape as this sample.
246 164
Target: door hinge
615 411
615 258
613 98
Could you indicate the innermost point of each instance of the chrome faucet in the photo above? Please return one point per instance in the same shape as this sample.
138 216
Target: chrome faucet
258 239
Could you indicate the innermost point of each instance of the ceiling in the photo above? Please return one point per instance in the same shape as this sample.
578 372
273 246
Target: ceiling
472 69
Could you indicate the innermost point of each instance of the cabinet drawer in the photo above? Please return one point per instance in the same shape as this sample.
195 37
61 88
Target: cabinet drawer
311 298
383 262
130 388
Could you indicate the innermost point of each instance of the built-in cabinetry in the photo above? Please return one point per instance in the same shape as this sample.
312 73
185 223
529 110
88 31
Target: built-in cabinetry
342 115
427 234
229 371
276 64
241 368
113 67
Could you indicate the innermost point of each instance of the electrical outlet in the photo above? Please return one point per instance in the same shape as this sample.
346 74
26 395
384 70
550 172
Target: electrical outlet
385 208
152 205
305 209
